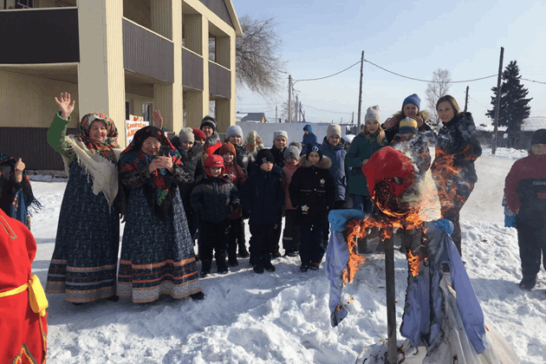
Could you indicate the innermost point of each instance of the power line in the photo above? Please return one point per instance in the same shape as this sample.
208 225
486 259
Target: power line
428 81
322 78
332 112
525 79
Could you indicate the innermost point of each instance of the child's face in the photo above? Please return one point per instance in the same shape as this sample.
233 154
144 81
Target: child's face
215 171
235 139
406 136
306 132
290 161
372 126
186 145
280 143
207 130
313 157
410 111
347 146
267 166
539 149
228 158
334 139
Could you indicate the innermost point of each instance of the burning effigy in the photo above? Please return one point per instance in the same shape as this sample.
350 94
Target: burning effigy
442 320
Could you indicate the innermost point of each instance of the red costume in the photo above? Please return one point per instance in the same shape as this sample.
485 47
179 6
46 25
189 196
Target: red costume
23 324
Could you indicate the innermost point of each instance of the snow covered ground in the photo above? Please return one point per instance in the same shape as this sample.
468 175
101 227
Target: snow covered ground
283 317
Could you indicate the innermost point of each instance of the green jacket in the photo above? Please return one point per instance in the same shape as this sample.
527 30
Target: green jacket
56 137
361 148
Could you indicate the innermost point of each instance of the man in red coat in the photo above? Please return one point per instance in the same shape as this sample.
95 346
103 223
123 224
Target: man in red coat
23 324
525 190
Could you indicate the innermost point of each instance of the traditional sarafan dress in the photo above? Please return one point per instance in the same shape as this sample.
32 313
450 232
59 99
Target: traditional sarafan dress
16 198
23 323
157 254
86 248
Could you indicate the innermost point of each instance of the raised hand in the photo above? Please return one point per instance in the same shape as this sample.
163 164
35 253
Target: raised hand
18 170
389 123
157 119
419 120
66 104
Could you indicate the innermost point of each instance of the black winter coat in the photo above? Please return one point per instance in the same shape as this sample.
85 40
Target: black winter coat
457 138
312 191
262 196
191 158
214 198
278 155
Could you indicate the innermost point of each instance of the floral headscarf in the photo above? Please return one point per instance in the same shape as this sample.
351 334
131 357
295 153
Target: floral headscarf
253 142
162 189
103 149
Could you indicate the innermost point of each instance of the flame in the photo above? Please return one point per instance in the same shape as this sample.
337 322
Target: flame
444 177
414 263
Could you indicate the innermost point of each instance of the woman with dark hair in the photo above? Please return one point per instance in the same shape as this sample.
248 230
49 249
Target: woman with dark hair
86 247
411 108
16 195
457 148
157 254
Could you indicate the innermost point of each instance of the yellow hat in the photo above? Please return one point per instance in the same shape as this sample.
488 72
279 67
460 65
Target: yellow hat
408 126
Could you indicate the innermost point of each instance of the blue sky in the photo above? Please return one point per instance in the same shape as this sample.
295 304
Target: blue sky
411 38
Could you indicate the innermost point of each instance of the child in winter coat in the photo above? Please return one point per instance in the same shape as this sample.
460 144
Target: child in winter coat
291 233
525 190
280 140
312 192
262 196
214 198
367 142
308 138
190 153
238 177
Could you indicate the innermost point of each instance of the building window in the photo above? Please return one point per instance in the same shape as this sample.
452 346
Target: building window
24 4
147 112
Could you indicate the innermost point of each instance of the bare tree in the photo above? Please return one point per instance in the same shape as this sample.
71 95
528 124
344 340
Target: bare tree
284 111
437 88
258 62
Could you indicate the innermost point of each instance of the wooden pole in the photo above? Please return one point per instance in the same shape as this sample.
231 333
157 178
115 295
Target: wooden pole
289 98
360 92
296 109
466 100
497 110
276 114
392 351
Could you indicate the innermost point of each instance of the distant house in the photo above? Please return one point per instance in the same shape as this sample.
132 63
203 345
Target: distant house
255 117
518 140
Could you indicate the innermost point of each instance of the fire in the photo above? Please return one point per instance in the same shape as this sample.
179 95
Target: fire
355 230
414 263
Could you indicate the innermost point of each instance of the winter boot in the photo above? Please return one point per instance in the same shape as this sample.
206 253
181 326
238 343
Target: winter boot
304 267
221 266
527 283
275 252
267 263
314 266
257 264
205 268
197 296
232 260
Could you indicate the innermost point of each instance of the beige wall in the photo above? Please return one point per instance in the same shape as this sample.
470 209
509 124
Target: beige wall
29 101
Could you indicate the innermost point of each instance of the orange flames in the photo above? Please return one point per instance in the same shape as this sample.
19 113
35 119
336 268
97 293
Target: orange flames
414 263
447 187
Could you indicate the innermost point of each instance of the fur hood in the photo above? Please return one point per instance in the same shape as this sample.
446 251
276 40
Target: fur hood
188 155
425 115
324 163
211 140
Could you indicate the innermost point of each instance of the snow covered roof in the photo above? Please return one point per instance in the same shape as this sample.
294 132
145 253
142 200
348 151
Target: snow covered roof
534 123
254 117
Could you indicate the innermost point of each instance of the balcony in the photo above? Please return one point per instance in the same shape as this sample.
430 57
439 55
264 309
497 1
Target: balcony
36 36
219 81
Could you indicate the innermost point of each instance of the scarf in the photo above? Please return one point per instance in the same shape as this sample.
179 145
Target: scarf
253 142
104 149
161 191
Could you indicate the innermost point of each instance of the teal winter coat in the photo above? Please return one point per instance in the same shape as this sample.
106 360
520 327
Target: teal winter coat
362 147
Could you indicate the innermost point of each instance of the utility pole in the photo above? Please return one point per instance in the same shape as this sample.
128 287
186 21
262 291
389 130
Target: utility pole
296 109
360 92
289 98
353 118
466 100
276 114
497 110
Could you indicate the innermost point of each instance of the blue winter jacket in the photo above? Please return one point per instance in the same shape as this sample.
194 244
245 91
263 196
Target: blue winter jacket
262 195
308 139
338 170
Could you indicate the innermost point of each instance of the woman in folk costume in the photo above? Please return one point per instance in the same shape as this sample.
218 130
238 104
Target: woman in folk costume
86 247
16 195
23 322
253 143
157 254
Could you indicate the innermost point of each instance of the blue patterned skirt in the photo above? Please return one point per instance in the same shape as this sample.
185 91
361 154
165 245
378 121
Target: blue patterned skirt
157 255
86 248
